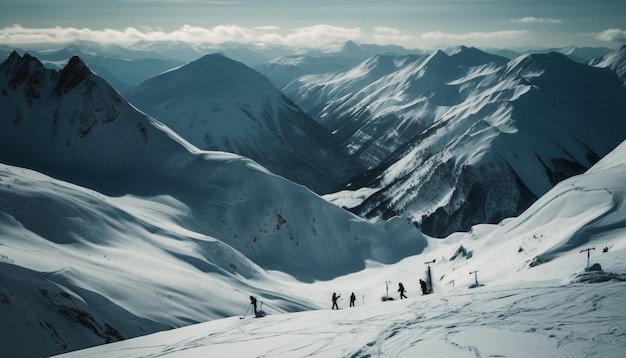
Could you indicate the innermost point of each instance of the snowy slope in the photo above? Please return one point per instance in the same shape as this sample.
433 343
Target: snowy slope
158 234
283 70
379 105
502 138
616 61
516 289
516 321
216 103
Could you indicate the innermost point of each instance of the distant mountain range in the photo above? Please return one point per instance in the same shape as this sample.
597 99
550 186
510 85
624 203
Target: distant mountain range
376 109
467 137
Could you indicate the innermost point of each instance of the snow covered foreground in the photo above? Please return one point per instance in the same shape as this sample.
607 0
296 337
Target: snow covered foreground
534 297
552 320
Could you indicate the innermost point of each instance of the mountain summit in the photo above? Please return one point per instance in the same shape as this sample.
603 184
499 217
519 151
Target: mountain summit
220 104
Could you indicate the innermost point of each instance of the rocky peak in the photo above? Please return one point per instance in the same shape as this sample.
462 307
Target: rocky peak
25 74
13 58
22 69
75 72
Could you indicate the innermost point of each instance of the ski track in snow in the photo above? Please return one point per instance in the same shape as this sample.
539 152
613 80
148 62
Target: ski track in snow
577 320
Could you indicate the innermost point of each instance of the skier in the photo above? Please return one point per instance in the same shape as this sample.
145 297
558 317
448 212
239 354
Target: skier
424 287
335 298
401 290
352 299
253 303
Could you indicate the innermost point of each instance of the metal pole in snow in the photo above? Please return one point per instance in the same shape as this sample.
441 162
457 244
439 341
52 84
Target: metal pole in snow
387 287
588 253
429 278
475 275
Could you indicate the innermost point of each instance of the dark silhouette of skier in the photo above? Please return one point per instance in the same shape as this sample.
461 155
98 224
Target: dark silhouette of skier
253 303
424 287
401 290
352 299
335 298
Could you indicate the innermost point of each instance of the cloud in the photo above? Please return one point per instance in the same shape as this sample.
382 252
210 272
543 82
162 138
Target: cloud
267 28
536 20
442 36
320 35
390 35
612 35
312 36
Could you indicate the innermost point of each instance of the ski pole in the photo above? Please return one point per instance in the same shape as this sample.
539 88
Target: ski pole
245 314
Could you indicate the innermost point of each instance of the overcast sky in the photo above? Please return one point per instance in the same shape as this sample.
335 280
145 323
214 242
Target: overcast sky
424 24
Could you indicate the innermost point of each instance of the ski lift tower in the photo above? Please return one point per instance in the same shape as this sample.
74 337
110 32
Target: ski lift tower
475 272
588 253
387 288
429 279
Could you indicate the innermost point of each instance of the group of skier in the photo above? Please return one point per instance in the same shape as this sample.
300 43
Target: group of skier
401 289
335 297
423 286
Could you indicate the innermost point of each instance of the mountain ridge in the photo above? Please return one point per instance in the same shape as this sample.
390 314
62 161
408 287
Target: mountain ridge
561 116
219 104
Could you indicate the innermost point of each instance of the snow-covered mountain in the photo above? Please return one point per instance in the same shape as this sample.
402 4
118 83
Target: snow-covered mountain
580 54
217 103
575 53
153 233
283 70
521 288
381 104
474 143
616 61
